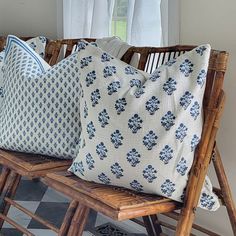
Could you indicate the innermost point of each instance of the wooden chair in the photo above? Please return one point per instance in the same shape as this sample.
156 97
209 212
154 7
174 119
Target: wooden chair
15 165
122 204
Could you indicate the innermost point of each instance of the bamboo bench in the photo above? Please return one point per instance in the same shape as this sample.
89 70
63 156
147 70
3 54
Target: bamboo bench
122 204
16 165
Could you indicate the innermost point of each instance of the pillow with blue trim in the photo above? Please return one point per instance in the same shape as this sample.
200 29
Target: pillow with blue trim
40 108
38 44
140 131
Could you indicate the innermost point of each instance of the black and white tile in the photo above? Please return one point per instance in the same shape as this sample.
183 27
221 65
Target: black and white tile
51 205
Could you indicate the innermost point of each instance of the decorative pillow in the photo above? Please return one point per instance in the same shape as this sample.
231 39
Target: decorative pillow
38 44
40 109
139 131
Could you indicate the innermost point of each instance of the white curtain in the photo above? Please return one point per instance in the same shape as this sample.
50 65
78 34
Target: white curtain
144 23
148 21
87 18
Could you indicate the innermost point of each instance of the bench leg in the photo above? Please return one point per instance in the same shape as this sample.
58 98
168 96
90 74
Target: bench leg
156 225
152 225
79 221
225 188
3 177
68 218
9 190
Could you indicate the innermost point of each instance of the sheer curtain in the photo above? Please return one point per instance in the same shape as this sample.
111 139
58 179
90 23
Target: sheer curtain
87 18
149 22
144 23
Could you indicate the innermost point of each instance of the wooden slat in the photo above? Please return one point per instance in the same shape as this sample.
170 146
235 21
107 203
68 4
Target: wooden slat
117 203
16 225
30 162
32 215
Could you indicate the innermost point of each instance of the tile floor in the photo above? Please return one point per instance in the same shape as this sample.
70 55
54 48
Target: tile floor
52 206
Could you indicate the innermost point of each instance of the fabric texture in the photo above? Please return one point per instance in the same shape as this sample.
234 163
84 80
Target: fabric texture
90 18
38 44
144 25
117 48
40 108
140 131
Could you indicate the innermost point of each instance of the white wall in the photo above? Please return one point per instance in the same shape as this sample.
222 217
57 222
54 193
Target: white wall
214 22
30 17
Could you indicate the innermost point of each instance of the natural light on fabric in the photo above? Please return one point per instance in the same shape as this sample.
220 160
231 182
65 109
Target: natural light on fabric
144 23
136 21
87 18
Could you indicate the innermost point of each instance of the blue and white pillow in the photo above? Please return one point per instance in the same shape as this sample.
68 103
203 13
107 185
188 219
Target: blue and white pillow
40 108
140 131
38 44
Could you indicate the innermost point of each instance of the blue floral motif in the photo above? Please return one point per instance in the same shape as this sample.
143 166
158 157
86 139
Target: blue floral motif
170 86
134 123
201 78
103 118
91 76
170 62
101 150
136 186
130 70
81 46
1 92
116 139
104 179
113 87
200 50
168 188
194 142
186 67
85 61
109 71
106 57
181 132
95 96
33 45
207 201
168 120
149 173
78 167
42 39
149 140
85 110
194 110
120 105
152 105
166 154
135 82
133 157
117 170
91 130
182 166
186 99
139 92
155 75
90 162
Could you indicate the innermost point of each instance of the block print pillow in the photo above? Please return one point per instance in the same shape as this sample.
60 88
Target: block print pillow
139 131
38 44
40 109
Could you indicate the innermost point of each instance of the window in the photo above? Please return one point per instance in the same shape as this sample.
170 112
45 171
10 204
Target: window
119 19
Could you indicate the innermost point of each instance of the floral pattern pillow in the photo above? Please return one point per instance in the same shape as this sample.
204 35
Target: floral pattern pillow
140 131
38 44
40 108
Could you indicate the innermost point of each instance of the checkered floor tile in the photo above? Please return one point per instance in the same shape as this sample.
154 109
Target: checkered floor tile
51 205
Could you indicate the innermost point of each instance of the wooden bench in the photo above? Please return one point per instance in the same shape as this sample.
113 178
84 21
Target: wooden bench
121 204
16 165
